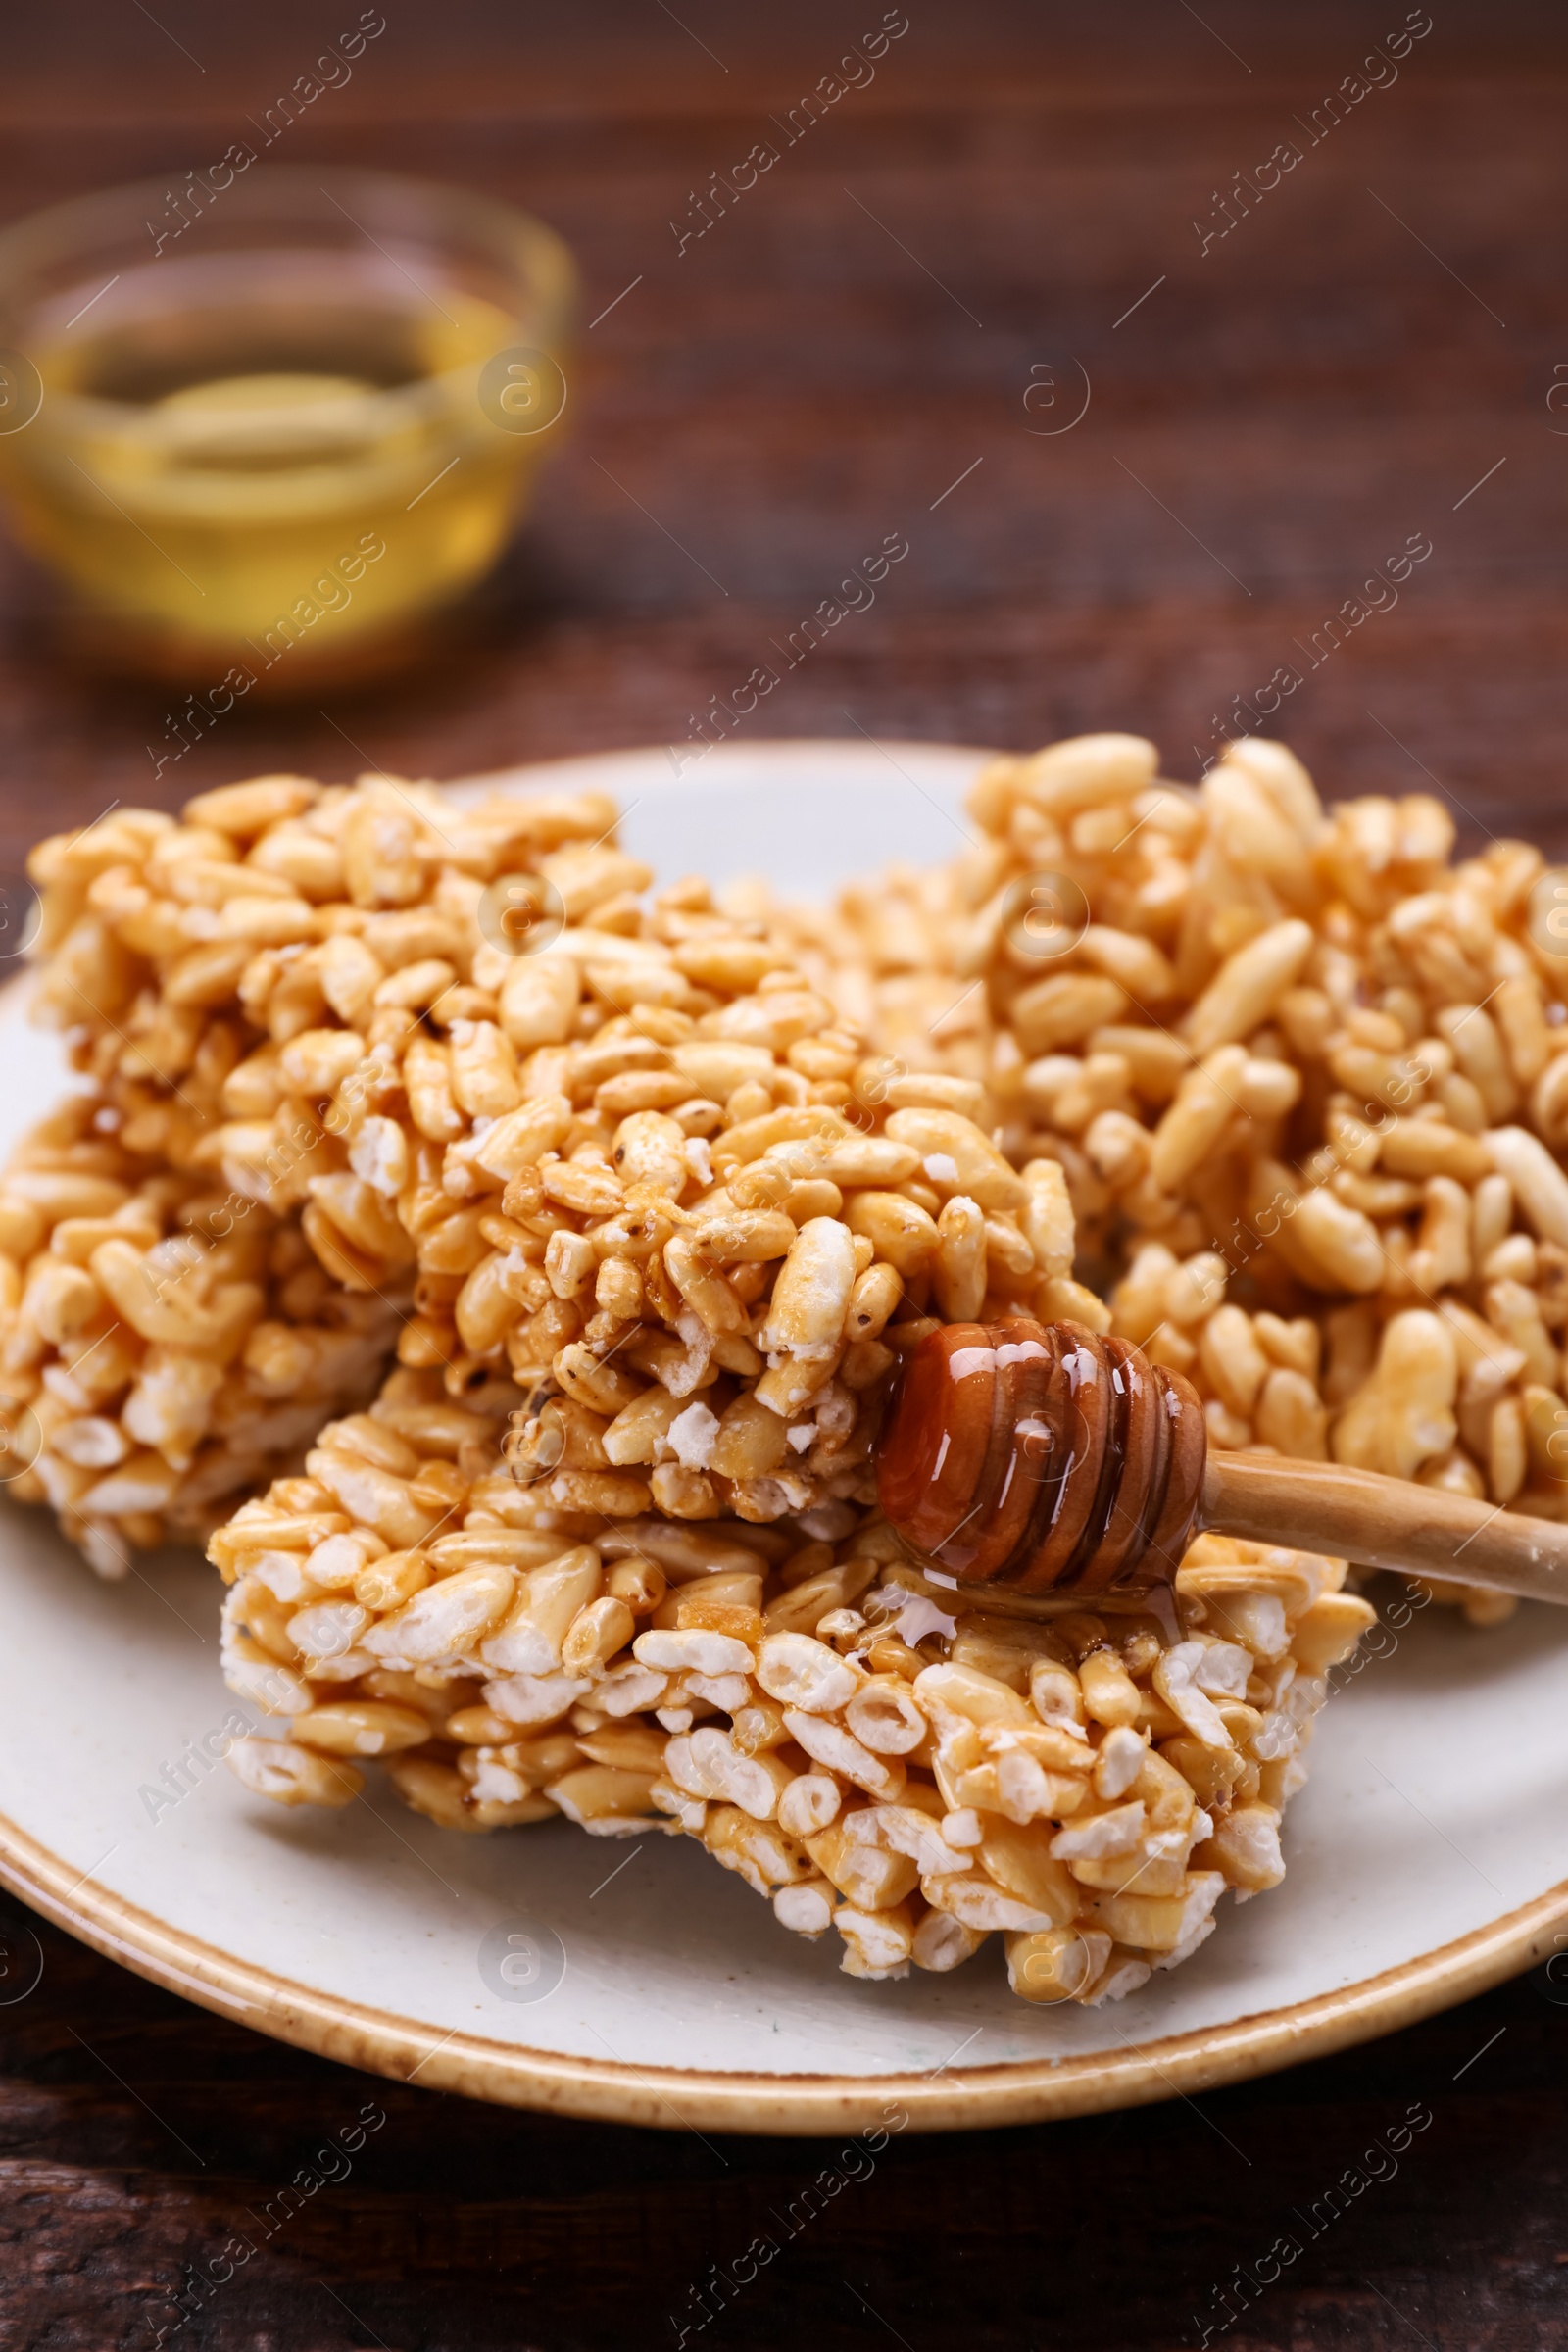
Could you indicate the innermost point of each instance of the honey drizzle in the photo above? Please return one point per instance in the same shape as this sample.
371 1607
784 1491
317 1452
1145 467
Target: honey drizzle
1117 1459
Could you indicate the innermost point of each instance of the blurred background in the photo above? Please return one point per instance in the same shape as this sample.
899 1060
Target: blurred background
1290 371
1163 418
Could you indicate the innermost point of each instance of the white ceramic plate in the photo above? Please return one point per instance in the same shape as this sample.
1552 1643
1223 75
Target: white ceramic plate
638 1981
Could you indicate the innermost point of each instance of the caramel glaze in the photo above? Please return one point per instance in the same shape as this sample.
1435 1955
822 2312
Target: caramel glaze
1041 1457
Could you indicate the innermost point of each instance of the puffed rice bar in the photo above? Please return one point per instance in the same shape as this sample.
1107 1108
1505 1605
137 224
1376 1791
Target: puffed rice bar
691 1314
1306 1078
566 1625
164 1348
246 1285
1087 1787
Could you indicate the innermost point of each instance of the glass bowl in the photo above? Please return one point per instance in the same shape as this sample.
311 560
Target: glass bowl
276 422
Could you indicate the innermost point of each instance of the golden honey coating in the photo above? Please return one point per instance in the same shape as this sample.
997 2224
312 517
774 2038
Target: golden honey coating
1038 1458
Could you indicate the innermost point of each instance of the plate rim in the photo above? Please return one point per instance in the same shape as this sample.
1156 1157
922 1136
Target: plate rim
792 2106
675 2098
764 749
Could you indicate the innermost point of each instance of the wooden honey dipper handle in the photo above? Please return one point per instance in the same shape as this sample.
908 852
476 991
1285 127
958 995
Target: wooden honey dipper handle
1384 1523
1042 1461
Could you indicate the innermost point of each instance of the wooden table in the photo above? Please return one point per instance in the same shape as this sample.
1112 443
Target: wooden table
892 332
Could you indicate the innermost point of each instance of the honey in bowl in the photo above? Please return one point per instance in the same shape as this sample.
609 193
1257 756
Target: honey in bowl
280 450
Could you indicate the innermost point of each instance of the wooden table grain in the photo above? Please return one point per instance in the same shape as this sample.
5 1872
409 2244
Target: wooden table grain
1288 373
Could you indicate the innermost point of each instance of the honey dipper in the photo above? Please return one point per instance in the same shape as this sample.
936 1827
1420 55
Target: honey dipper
1038 1461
